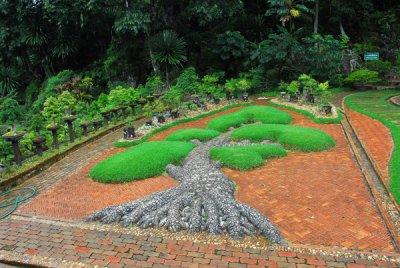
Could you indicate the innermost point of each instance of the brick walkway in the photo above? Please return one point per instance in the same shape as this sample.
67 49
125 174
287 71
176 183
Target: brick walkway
376 140
58 244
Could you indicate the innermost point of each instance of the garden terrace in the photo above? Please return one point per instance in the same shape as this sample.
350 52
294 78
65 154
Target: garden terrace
292 183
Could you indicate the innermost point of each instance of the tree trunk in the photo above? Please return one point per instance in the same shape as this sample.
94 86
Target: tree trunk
316 19
342 32
167 76
204 201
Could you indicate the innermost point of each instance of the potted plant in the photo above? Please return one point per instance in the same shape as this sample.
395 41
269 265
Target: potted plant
243 85
230 87
38 140
148 113
129 130
52 111
159 107
68 101
324 97
293 90
309 85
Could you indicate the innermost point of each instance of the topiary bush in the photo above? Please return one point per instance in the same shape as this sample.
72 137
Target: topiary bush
246 157
293 137
143 161
189 134
251 114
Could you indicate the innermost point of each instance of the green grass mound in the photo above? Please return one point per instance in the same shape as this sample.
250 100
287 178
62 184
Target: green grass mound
263 114
189 134
143 161
293 137
246 157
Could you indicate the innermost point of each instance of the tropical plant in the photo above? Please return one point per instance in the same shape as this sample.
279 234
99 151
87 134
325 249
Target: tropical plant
52 110
67 101
10 112
167 49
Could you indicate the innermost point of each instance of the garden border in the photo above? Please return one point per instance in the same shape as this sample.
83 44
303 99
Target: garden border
125 144
24 175
318 120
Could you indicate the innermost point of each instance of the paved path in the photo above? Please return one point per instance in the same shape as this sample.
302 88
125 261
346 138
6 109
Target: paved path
59 244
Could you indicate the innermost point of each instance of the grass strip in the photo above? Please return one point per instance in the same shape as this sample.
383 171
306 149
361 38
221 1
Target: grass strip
293 137
364 103
143 161
189 134
124 144
263 114
318 120
246 157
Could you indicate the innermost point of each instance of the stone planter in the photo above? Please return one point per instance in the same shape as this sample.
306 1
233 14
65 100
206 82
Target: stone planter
106 116
245 97
174 114
84 127
14 139
69 121
129 133
327 108
53 130
96 124
39 143
311 98
161 119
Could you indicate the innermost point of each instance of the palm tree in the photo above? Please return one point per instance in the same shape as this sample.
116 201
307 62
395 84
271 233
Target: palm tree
167 49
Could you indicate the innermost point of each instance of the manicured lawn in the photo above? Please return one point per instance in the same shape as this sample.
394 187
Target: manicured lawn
189 134
373 104
246 157
293 137
143 161
263 114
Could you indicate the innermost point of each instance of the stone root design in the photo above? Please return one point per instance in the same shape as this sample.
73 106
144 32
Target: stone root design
204 201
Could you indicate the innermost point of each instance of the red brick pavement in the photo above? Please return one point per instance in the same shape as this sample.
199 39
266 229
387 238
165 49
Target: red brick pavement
376 139
316 198
58 244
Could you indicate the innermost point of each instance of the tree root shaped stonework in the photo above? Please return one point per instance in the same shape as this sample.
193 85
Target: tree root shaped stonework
204 201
